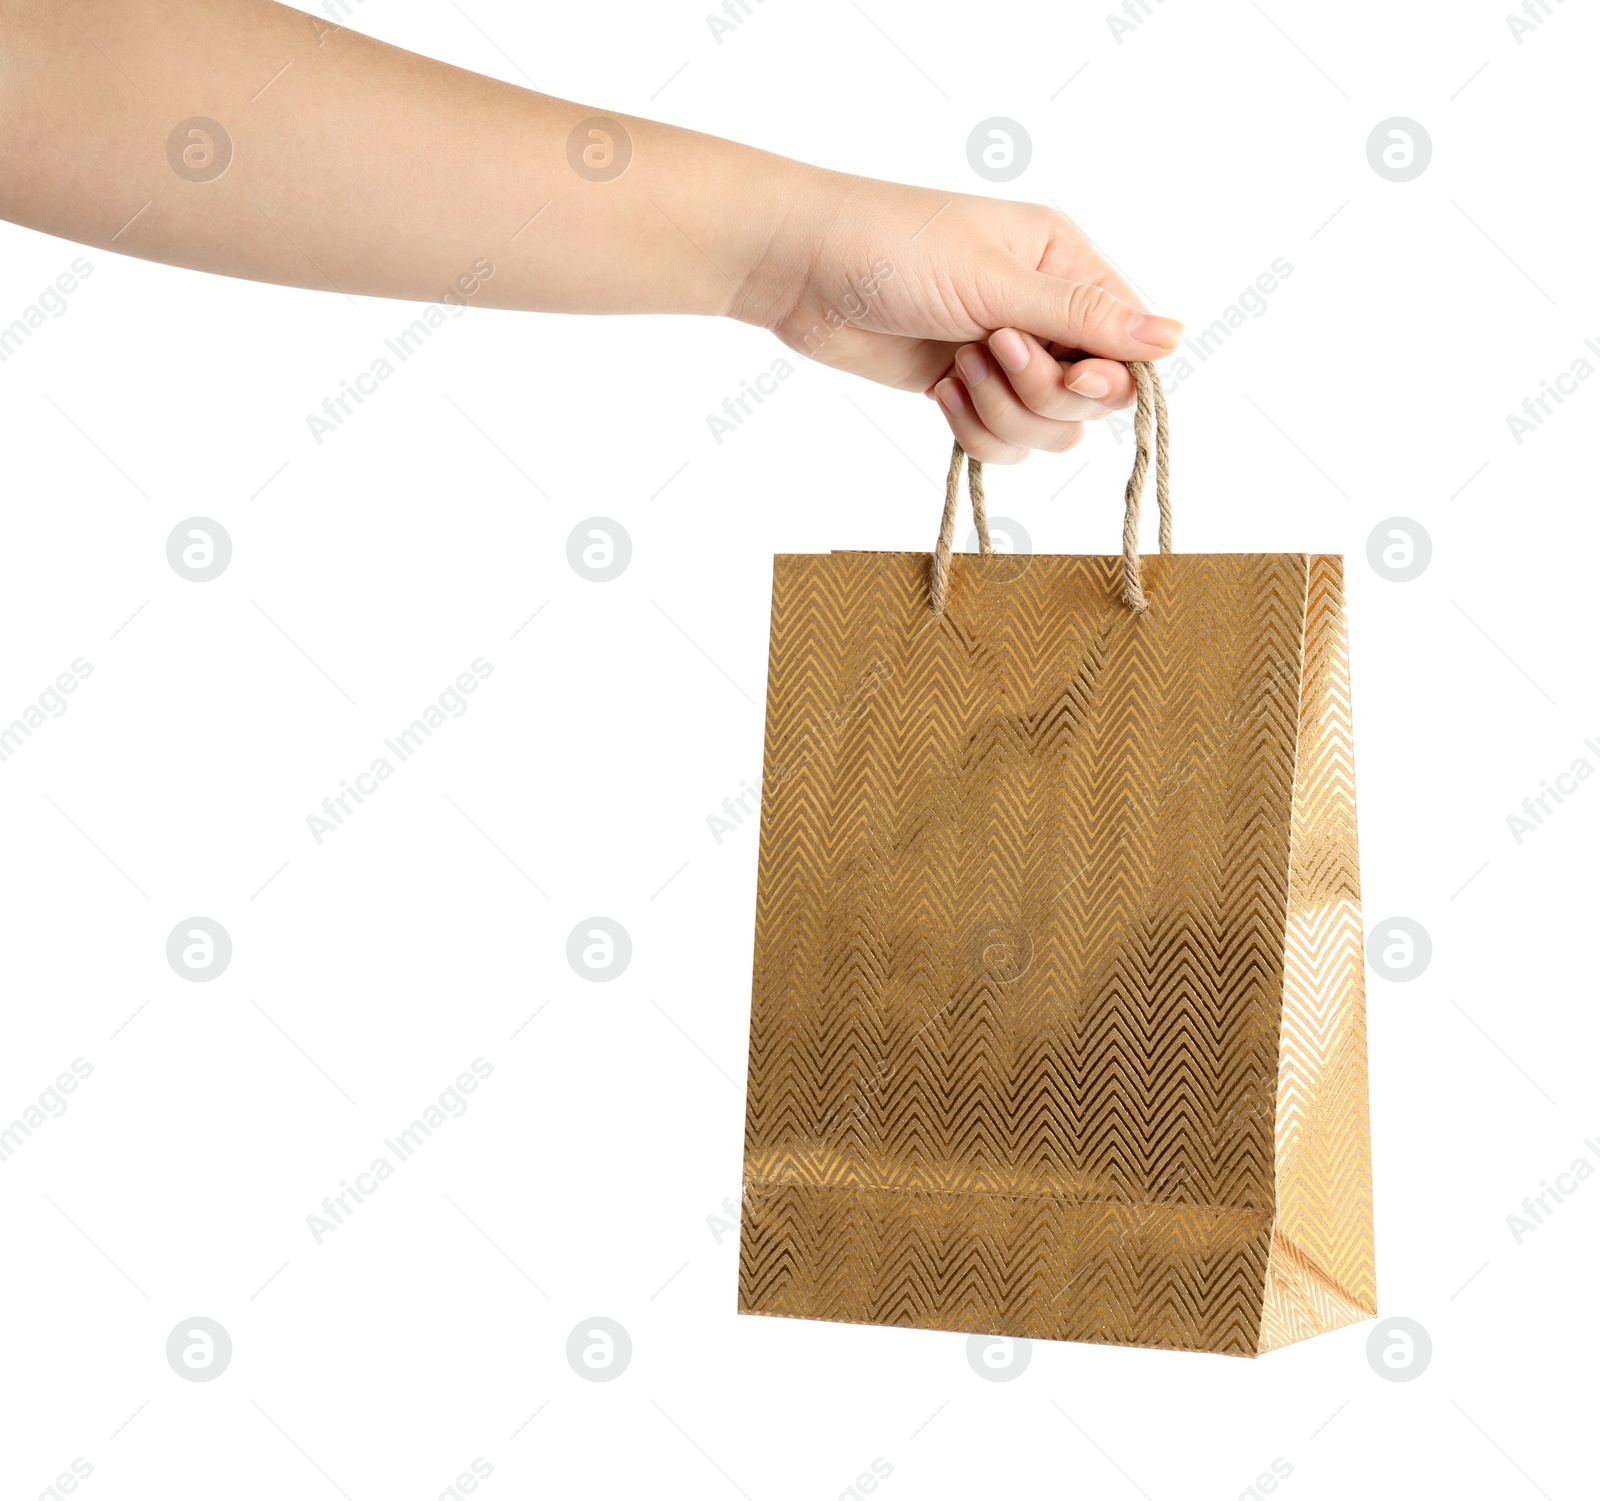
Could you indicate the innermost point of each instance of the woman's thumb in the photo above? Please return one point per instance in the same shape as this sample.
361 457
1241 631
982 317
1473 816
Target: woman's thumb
1088 318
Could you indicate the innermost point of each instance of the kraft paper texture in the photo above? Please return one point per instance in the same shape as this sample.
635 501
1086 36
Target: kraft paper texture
1058 1019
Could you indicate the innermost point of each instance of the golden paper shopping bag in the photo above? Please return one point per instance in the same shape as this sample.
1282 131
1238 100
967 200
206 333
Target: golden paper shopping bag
1058 1022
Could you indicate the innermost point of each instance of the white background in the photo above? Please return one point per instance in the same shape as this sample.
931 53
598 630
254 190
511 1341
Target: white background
430 1329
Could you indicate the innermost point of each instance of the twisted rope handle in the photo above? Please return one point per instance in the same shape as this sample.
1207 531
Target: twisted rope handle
947 522
1149 421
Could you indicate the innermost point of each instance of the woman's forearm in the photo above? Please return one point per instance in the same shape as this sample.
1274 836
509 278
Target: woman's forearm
248 139
319 157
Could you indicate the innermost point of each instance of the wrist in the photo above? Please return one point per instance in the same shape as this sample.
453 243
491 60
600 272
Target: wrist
794 206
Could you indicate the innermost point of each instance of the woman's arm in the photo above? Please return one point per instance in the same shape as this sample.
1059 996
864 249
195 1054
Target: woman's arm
247 139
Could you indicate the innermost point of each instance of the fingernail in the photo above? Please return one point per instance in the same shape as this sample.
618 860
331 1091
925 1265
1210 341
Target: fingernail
1163 333
951 397
973 366
1011 349
1091 384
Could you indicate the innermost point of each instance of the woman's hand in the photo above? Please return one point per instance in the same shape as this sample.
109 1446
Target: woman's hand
1004 312
363 170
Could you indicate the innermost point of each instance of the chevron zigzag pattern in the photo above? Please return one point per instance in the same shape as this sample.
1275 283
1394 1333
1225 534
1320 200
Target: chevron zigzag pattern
1057 1020
1321 1271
